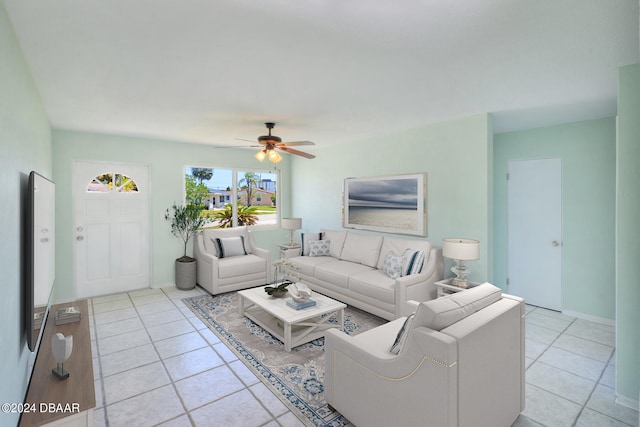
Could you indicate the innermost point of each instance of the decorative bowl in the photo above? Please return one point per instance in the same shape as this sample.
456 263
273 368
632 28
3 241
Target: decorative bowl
300 292
279 294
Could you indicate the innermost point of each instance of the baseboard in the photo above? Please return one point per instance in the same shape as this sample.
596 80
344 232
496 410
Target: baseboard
590 318
162 285
629 403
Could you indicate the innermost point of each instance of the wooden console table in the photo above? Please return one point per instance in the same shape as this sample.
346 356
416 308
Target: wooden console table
67 402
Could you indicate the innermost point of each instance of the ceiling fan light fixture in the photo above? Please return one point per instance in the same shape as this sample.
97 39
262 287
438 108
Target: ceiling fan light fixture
274 156
272 144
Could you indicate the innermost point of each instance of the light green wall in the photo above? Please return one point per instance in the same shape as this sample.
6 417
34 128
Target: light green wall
457 157
166 161
25 145
587 150
627 236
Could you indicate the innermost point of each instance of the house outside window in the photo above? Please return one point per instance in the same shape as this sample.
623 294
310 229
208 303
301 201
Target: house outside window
253 192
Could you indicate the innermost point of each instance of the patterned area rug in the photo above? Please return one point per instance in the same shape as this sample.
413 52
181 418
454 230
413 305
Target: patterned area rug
297 378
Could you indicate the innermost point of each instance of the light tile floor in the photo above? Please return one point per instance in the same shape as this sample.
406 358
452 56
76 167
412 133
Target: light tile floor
156 364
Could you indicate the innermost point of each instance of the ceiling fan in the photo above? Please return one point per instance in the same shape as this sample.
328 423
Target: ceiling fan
271 143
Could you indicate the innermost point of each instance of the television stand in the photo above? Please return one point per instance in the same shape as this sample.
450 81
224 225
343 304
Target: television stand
68 402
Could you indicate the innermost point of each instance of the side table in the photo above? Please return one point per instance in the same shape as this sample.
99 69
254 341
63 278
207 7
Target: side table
285 247
444 287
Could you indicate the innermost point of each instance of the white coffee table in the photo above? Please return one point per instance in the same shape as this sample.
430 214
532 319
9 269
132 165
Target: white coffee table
292 327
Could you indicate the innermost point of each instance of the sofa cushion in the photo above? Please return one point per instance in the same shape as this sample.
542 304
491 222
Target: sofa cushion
412 262
337 273
306 265
306 238
374 284
439 313
230 246
320 248
361 248
399 245
240 266
337 241
392 265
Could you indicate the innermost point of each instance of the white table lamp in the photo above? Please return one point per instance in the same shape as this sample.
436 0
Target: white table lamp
460 250
291 224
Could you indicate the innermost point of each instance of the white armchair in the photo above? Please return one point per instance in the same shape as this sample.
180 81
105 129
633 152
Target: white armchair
461 364
239 264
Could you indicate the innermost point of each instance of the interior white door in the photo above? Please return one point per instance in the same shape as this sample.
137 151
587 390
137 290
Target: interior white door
111 232
534 228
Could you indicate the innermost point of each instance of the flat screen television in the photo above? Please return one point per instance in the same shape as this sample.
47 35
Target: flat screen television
40 257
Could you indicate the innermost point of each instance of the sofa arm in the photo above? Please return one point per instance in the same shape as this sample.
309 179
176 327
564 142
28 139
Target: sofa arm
205 266
262 253
423 343
359 382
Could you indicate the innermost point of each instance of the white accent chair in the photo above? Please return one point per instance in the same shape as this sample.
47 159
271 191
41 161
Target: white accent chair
218 274
462 365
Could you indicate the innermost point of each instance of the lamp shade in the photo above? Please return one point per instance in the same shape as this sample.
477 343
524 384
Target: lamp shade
261 155
274 156
461 249
291 223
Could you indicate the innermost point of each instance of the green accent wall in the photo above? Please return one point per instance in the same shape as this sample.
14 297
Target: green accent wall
588 153
166 161
628 237
457 157
25 145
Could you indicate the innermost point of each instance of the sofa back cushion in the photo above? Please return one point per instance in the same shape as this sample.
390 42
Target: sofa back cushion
337 241
362 249
440 313
399 246
210 235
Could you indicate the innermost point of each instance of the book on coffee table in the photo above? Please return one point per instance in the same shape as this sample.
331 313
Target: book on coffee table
301 305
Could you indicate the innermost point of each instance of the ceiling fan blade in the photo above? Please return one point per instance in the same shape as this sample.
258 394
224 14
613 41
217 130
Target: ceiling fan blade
297 152
294 143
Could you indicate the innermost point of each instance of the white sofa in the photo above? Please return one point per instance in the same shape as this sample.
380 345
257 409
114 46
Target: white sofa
218 273
462 364
353 271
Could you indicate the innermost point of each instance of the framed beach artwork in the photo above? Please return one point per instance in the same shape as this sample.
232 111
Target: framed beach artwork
390 204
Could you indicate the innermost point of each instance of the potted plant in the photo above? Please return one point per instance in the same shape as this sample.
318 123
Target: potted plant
185 222
284 275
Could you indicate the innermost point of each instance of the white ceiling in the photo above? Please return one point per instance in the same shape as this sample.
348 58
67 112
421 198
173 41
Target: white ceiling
331 71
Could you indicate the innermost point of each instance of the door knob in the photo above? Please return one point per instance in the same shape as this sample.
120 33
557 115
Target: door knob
555 243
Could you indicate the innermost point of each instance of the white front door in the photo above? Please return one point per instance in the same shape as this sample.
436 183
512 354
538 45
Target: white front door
534 227
111 231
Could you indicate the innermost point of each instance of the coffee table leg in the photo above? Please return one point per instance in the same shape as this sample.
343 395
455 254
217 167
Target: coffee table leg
287 336
341 319
241 306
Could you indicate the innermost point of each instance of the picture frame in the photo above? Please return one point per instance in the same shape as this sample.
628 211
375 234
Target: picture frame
389 204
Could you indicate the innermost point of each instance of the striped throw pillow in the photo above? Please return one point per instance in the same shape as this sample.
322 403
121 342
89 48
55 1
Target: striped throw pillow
412 262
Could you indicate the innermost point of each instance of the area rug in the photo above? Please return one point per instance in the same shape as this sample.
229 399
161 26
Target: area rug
297 378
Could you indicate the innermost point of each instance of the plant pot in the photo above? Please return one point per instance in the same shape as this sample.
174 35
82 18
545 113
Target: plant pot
185 274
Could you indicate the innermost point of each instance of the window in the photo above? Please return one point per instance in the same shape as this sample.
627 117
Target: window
108 182
232 197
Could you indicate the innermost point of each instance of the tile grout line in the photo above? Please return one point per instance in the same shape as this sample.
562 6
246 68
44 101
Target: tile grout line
245 386
144 327
596 382
101 377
